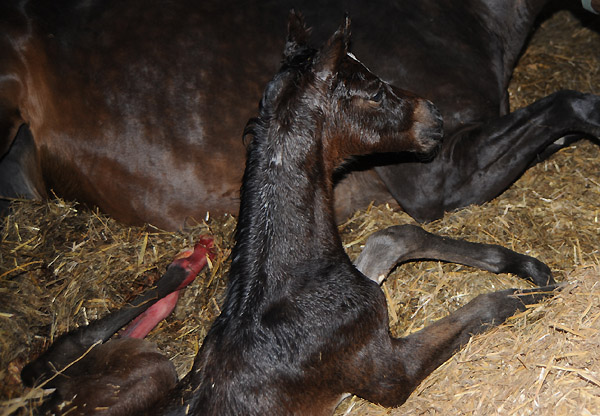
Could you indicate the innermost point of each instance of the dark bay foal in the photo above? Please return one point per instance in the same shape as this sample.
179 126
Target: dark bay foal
300 325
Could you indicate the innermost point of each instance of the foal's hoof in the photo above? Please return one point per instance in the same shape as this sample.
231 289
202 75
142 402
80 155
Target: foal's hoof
538 272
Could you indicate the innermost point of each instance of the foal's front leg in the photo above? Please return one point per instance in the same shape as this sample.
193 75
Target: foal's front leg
397 366
388 247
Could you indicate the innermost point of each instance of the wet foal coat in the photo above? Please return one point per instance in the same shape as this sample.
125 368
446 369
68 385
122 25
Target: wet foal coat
300 325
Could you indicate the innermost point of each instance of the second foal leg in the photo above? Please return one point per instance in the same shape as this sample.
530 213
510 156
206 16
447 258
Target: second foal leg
388 247
393 368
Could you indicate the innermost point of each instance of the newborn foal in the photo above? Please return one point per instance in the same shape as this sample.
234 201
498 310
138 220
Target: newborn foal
300 325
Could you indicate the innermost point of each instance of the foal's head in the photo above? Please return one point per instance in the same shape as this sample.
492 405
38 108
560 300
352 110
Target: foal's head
329 95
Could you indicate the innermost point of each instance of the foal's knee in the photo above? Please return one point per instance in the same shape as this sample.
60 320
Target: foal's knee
385 248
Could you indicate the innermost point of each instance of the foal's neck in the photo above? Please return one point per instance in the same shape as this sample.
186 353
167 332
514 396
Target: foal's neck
286 222
287 200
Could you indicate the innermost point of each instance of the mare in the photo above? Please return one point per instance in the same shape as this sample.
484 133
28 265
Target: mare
300 325
137 107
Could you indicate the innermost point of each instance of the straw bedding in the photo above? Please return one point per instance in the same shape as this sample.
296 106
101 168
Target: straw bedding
62 265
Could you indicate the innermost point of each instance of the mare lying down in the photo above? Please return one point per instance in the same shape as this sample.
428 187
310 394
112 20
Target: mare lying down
300 326
92 102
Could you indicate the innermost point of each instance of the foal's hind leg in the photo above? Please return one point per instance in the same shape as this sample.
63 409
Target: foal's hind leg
115 379
395 367
72 345
386 248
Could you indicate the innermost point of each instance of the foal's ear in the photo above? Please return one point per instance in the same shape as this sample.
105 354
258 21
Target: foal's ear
298 34
331 54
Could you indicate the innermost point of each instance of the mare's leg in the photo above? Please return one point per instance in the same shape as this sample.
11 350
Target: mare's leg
20 174
395 367
386 248
72 345
479 163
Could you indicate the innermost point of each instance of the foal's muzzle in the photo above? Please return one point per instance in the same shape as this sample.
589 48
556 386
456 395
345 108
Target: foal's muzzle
428 126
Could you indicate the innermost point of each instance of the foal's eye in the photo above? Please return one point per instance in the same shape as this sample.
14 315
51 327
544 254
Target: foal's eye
377 97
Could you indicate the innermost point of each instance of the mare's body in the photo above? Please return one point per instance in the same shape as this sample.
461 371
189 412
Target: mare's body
138 108
300 325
